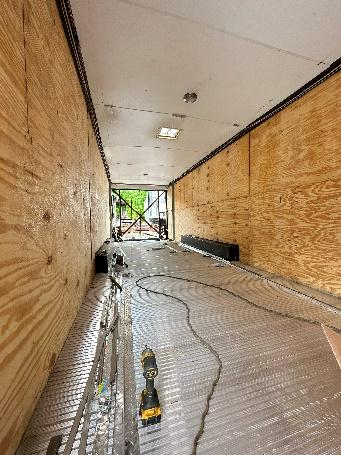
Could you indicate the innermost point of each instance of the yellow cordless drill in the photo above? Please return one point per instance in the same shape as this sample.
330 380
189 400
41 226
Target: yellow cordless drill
150 411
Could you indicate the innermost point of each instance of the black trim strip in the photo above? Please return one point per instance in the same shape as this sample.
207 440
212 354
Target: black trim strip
65 12
332 69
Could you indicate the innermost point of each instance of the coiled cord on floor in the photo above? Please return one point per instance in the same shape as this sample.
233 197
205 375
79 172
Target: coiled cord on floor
203 342
244 299
207 345
287 288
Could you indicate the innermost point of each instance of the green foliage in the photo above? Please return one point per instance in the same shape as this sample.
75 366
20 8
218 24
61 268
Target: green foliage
135 198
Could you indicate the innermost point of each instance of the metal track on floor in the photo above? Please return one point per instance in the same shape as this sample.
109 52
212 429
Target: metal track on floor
87 403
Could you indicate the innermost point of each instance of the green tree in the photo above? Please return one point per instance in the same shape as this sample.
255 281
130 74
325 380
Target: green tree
136 198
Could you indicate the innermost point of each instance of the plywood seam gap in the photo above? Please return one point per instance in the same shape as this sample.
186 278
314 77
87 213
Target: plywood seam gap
273 188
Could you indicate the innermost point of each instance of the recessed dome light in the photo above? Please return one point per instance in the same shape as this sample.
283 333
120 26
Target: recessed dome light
190 97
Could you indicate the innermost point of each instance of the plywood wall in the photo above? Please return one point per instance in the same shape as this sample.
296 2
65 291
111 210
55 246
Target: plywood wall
99 197
296 190
213 200
53 204
170 213
276 192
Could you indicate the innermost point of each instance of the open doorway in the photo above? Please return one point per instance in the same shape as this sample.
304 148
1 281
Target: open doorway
139 214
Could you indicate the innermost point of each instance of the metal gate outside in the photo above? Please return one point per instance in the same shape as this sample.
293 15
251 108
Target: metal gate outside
132 223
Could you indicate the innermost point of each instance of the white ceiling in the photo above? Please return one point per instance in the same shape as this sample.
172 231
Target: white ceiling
241 57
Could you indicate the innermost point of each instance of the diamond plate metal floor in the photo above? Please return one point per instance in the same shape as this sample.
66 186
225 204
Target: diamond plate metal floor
279 390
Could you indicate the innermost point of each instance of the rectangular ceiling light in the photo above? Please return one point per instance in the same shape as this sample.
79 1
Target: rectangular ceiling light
168 133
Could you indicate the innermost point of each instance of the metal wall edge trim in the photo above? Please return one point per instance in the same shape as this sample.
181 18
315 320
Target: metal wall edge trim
317 80
69 26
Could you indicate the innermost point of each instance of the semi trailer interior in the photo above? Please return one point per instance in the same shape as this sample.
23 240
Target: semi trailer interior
170 227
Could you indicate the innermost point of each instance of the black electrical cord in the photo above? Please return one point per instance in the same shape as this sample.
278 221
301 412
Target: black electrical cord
269 280
204 343
257 274
284 286
244 299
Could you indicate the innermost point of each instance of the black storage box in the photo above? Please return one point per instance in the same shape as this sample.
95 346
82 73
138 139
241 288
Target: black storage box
228 251
101 258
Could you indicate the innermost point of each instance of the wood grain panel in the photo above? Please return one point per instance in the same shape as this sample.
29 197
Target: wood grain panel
296 233
99 190
188 192
51 182
200 184
233 224
218 207
301 144
180 197
12 76
276 192
295 190
170 212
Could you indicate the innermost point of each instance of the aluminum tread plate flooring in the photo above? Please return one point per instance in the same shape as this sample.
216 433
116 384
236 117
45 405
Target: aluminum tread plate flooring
58 404
280 386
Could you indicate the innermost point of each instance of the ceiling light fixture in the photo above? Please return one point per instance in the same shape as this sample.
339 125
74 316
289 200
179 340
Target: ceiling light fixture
190 97
168 133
